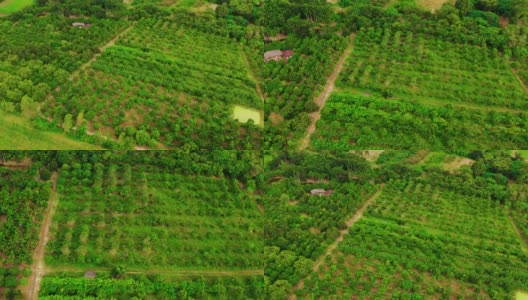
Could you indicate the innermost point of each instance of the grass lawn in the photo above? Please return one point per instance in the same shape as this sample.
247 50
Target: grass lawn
524 154
244 114
17 134
11 6
521 296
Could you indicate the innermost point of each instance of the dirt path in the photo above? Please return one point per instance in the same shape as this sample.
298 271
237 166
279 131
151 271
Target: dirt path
252 75
327 90
101 50
524 239
157 271
37 268
521 82
342 233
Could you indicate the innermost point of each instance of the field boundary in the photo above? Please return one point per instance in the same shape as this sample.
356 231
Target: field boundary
182 272
431 101
252 75
350 222
325 94
38 267
521 82
522 237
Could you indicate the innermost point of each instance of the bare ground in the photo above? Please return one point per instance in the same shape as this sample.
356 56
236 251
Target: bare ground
340 238
457 163
369 155
30 291
327 90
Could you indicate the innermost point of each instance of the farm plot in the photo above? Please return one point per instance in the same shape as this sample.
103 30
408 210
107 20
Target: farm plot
142 217
290 87
18 134
406 65
23 201
418 241
300 226
37 55
350 121
183 95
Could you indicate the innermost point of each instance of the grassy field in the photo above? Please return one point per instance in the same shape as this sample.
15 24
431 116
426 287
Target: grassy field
11 6
244 114
17 134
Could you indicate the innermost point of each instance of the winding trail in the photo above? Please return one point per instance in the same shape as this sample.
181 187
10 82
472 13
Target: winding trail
38 268
522 237
327 90
350 222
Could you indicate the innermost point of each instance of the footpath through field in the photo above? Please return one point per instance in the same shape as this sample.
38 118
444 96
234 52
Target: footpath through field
109 44
342 233
183 272
252 75
37 268
327 90
524 239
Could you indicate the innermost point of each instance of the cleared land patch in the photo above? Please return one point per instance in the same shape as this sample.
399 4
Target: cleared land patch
11 6
244 114
17 133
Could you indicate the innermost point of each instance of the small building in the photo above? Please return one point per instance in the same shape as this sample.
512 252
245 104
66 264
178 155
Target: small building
272 55
286 54
89 274
321 192
81 24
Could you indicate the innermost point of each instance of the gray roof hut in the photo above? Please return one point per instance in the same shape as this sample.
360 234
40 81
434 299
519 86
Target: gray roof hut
317 191
89 274
321 192
272 54
81 24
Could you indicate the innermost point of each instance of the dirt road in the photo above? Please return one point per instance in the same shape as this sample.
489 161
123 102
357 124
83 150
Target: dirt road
37 268
350 222
252 75
327 90
101 50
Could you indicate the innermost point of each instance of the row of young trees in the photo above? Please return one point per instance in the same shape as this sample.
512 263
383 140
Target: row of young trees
350 121
151 287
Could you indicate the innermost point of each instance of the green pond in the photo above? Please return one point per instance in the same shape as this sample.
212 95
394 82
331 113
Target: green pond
244 114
